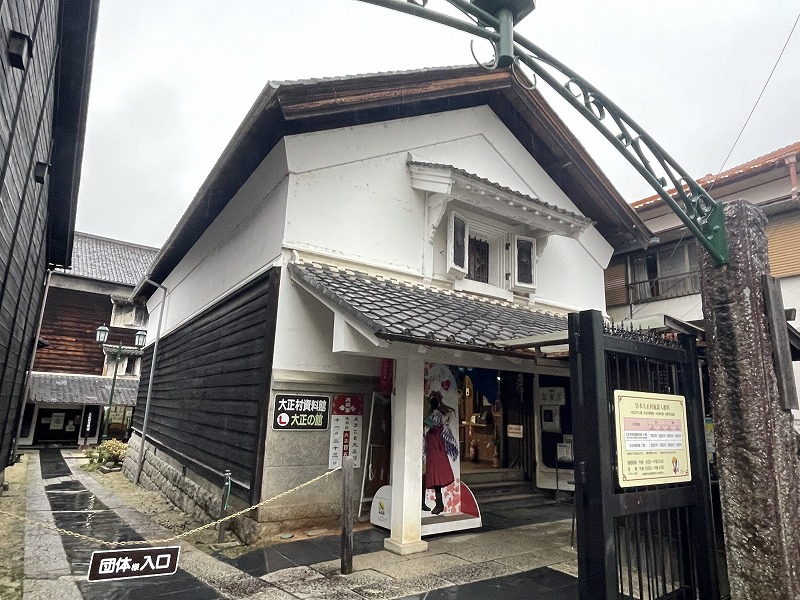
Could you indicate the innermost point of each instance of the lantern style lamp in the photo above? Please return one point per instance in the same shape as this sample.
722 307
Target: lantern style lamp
101 337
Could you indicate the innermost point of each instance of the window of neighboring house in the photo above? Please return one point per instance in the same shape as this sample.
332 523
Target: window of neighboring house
782 234
128 365
664 273
132 365
488 254
128 315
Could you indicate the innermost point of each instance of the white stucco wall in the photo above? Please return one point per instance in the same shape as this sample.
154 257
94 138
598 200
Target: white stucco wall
346 194
365 168
239 244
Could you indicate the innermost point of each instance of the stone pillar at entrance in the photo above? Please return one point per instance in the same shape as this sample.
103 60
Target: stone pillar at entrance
407 403
756 444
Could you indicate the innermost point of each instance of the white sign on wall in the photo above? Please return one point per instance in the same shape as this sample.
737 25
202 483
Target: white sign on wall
347 414
514 431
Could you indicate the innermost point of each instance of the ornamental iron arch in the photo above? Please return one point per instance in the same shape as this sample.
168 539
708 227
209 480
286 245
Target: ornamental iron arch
494 20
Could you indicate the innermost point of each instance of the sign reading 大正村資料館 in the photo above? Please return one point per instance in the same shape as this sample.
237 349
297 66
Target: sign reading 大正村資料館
652 442
301 412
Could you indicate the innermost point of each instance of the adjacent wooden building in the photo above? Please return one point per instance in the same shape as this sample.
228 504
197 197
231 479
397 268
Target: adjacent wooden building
70 384
45 69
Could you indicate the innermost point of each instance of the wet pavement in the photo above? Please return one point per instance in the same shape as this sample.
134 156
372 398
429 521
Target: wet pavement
521 552
75 508
539 584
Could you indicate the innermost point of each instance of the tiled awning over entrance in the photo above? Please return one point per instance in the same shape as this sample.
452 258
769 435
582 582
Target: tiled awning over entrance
62 388
394 310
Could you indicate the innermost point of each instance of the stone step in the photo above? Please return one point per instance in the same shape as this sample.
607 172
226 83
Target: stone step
506 491
491 475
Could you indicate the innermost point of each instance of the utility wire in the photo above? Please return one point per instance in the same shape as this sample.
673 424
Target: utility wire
766 83
736 141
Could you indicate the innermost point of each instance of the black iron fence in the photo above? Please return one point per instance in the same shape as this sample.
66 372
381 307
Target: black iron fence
653 542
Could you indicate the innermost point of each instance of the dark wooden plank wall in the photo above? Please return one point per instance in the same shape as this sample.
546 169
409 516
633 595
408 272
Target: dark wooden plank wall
26 114
211 387
68 326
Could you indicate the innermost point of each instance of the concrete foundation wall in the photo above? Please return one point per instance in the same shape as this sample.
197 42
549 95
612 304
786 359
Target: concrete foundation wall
293 457
187 490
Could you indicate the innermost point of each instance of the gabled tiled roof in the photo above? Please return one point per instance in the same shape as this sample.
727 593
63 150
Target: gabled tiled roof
392 309
104 259
60 388
751 167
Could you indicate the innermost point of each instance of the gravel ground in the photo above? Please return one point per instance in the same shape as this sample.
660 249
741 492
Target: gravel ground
158 508
12 536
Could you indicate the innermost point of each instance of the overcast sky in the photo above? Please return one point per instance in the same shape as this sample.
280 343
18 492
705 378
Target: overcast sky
173 79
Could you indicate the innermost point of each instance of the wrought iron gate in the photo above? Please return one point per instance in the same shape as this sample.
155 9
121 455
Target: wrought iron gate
649 542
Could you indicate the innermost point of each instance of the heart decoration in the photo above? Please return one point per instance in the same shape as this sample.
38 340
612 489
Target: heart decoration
446 385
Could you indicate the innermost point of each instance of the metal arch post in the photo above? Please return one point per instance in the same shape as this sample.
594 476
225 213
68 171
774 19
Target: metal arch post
695 207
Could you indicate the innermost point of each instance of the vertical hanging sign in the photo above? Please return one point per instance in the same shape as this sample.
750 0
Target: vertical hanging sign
347 412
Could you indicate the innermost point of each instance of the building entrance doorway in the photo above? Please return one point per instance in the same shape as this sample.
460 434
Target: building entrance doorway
57 425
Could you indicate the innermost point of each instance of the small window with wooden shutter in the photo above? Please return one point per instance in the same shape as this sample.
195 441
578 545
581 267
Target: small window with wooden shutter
523 263
783 238
457 239
616 281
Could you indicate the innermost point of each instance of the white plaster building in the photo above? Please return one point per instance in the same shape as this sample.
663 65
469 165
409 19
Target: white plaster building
436 216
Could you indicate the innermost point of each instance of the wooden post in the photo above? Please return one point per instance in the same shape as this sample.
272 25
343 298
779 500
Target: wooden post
348 465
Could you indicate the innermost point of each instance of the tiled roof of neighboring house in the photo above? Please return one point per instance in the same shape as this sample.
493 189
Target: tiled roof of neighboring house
61 388
751 167
391 309
104 259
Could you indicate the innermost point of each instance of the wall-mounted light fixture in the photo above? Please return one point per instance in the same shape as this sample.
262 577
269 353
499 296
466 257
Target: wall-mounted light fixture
20 48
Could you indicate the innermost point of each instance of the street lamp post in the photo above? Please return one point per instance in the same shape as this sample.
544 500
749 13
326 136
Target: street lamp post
101 337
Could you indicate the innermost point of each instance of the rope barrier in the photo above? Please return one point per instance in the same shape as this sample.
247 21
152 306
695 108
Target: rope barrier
179 536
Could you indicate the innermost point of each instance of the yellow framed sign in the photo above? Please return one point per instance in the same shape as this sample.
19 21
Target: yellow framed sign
652 442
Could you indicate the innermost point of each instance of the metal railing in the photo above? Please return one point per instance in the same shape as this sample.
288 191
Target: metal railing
660 288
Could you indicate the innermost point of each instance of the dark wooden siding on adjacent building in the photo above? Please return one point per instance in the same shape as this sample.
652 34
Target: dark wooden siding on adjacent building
68 326
26 121
211 386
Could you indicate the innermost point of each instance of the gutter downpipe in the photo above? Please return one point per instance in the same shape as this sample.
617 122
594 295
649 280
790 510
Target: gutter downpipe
26 388
791 162
140 462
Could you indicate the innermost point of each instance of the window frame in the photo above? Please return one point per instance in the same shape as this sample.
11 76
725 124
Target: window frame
124 315
502 261
517 285
650 290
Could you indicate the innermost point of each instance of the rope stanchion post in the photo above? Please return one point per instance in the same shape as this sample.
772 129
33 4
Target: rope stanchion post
348 465
226 496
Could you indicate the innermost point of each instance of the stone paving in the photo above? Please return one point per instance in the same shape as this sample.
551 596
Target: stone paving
504 562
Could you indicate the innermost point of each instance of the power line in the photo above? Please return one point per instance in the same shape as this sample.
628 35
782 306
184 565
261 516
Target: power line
766 83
